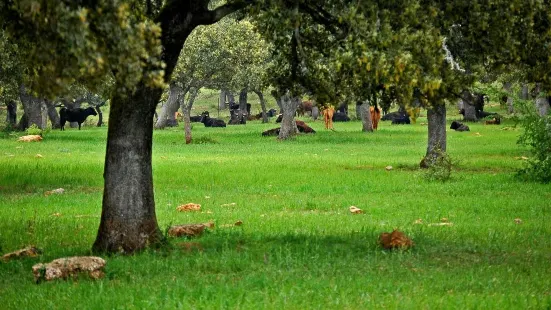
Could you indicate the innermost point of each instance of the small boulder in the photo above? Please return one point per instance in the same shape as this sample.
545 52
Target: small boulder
29 251
70 267
189 230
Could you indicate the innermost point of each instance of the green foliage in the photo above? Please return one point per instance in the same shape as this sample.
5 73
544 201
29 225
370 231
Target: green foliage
441 169
34 130
60 42
537 136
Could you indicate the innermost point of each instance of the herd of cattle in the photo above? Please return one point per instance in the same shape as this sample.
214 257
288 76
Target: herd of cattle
330 115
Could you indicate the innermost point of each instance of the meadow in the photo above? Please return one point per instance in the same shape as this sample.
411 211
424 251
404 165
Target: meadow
299 247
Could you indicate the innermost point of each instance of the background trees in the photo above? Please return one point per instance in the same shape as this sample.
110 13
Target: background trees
396 43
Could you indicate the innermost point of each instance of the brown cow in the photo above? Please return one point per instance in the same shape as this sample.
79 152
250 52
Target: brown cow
305 106
375 116
328 117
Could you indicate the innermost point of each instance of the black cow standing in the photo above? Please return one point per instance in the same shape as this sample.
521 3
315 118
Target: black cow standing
78 115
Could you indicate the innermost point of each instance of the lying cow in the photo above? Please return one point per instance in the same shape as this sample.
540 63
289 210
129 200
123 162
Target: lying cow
457 126
212 122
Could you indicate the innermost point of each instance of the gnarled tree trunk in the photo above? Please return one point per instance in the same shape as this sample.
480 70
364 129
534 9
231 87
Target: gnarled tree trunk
35 110
365 114
510 107
222 99
468 107
436 116
166 116
11 116
52 114
289 107
262 106
242 115
186 110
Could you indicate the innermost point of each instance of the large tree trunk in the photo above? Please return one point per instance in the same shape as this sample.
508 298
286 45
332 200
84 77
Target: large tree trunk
53 115
128 221
186 110
35 109
289 107
166 117
436 116
262 106
365 114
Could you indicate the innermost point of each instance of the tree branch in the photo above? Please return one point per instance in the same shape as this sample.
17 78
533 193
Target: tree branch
213 16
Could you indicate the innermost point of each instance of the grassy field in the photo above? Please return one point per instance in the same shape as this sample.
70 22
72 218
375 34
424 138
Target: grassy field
299 247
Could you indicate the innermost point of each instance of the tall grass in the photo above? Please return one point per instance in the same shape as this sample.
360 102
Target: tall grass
298 247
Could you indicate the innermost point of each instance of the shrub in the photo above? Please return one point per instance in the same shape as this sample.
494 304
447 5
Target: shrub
441 169
34 130
537 136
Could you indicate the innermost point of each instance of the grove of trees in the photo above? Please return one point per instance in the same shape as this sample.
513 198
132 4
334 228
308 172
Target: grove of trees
427 51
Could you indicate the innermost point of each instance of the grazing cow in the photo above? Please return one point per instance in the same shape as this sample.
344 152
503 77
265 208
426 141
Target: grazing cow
493 121
211 122
328 117
457 126
303 107
375 116
78 115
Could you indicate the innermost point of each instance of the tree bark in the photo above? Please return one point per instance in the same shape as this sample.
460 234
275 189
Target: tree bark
100 115
222 100
436 116
365 114
524 93
11 116
128 220
35 109
242 115
262 106
289 107
469 107
507 87
53 115
166 117
542 101
186 110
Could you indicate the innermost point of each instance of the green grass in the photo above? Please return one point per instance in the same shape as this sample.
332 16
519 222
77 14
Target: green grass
298 247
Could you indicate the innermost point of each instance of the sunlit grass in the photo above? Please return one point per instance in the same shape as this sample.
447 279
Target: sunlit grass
298 247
